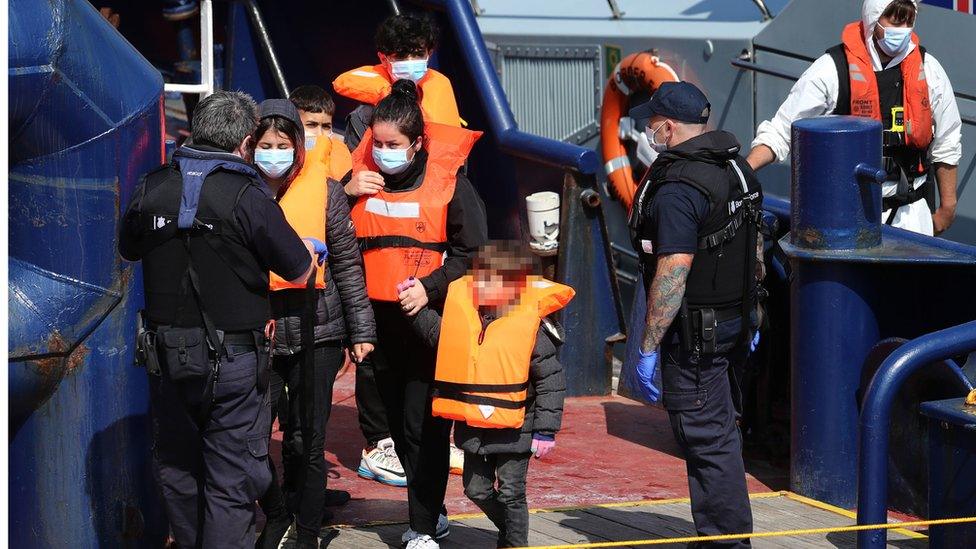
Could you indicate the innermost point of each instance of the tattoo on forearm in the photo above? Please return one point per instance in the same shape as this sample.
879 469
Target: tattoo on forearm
664 297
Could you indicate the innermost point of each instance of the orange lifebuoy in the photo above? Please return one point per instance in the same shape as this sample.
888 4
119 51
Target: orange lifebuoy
641 71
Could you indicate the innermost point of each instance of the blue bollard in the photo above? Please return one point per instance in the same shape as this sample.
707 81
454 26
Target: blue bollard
834 207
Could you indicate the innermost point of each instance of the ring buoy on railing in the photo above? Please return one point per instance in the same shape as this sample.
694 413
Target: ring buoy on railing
641 71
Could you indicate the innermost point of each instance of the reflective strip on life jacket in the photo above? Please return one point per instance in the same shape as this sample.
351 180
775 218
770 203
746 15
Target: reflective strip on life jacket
416 218
482 373
865 100
370 84
305 202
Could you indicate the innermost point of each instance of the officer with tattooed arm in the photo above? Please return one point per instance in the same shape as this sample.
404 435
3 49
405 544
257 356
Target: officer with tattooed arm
695 226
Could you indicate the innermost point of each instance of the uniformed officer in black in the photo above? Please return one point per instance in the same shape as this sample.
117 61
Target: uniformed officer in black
695 226
207 234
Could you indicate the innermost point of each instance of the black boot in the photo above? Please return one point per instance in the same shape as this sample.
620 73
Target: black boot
307 540
274 530
335 498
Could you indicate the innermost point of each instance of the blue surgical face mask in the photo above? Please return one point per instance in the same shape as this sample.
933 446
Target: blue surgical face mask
274 162
410 69
391 161
895 41
309 142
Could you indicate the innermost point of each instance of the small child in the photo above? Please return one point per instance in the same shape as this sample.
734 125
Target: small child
317 109
498 377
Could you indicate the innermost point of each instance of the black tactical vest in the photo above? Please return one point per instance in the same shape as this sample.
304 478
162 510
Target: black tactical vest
723 269
233 286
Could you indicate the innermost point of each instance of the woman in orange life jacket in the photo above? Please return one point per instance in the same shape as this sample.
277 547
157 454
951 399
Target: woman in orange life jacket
510 406
417 218
315 206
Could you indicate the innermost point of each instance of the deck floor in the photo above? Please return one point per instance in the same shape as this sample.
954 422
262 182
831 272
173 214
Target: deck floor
624 522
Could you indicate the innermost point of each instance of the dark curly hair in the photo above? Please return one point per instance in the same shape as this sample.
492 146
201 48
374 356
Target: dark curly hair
402 109
406 35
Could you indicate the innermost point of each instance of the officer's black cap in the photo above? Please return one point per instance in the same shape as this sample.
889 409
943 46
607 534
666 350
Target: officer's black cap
283 108
681 101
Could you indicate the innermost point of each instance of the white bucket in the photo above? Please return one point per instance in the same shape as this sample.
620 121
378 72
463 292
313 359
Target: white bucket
543 214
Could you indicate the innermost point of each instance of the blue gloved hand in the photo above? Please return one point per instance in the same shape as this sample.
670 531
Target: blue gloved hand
754 343
319 248
646 366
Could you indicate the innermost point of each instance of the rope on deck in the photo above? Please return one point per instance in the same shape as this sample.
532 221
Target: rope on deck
755 535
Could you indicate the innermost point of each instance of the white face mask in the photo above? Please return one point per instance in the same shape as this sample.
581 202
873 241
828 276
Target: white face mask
896 40
658 147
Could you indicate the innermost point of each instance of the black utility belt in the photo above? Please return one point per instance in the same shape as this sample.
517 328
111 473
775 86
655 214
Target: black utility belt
699 326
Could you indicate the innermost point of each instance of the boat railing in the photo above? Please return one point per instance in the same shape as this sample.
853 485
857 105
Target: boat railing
872 485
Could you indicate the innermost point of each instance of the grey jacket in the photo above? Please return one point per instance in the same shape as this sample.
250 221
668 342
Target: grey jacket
544 402
343 309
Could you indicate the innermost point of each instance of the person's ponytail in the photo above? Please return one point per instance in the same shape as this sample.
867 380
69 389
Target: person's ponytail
402 109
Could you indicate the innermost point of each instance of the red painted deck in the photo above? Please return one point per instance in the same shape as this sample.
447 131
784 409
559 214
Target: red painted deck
610 449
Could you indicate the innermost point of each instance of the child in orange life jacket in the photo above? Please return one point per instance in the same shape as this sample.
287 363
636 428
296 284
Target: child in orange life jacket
498 377
404 44
317 109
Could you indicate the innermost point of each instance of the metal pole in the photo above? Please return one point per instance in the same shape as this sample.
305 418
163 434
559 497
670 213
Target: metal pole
206 86
269 52
832 303
394 7
872 487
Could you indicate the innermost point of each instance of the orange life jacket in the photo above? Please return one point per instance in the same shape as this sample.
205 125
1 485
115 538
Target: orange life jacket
340 160
370 84
404 234
864 87
482 374
304 203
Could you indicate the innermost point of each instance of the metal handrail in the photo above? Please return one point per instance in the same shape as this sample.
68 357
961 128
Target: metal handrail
510 139
872 482
206 85
257 20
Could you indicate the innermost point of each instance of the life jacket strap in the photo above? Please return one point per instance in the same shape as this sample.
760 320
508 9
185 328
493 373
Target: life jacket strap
478 399
481 387
399 241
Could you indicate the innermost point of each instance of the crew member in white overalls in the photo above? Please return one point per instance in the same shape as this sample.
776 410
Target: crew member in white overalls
906 89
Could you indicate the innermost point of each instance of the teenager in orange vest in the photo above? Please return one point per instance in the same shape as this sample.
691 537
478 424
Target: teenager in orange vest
498 377
416 217
317 109
315 206
404 44
881 71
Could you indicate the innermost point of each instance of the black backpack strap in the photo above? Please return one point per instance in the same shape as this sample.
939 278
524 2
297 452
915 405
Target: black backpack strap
753 218
839 56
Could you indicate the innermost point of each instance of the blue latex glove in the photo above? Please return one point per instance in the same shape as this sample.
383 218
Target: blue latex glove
319 247
646 366
754 343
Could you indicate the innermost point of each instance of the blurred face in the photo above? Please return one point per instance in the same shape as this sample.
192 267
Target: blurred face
316 123
386 135
494 289
274 139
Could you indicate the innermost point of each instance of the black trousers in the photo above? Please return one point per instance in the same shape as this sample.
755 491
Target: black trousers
369 403
302 490
703 400
210 477
496 484
404 368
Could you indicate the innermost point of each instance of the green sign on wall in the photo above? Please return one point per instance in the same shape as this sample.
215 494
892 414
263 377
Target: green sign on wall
611 56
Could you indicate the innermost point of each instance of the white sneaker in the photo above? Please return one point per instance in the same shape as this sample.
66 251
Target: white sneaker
457 460
423 542
382 464
442 531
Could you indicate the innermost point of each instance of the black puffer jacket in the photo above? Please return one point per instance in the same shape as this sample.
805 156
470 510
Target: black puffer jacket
344 311
544 402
